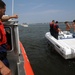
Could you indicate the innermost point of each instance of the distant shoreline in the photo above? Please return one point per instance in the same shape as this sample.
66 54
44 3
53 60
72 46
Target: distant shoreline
49 22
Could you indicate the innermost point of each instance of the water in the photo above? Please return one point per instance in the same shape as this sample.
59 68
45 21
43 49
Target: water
43 58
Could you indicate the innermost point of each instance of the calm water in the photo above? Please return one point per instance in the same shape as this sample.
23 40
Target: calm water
44 59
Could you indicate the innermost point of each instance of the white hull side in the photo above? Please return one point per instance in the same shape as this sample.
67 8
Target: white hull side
61 47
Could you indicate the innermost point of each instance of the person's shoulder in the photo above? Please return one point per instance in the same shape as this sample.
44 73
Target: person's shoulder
50 22
56 25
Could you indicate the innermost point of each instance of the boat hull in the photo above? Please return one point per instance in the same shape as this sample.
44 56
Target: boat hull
61 47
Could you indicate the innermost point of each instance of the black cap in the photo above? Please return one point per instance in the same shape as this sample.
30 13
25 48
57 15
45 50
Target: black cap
73 20
56 21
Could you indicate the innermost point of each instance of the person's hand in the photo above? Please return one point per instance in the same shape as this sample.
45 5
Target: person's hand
15 16
4 70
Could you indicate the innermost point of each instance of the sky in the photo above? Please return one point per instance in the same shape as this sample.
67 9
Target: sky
42 11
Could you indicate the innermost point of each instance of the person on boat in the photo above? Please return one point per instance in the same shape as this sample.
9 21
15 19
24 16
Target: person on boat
68 27
56 30
51 27
3 43
8 34
73 25
3 39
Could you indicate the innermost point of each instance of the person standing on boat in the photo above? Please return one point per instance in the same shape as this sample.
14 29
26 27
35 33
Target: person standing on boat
68 27
51 27
8 34
3 39
4 70
56 30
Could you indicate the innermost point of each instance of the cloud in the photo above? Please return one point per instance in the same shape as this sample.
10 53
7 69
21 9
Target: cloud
38 6
45 12
50 11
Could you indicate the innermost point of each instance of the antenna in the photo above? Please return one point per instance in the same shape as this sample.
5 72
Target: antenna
12 7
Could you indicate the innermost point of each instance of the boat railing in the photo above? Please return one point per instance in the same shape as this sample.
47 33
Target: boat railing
17 57
12 28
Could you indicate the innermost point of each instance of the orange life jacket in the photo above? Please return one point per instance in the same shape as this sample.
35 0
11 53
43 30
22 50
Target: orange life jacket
3 39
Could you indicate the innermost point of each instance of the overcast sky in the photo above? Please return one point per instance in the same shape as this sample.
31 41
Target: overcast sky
36 11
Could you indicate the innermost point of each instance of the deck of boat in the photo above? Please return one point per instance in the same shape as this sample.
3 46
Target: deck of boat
69 42
18 61
13 60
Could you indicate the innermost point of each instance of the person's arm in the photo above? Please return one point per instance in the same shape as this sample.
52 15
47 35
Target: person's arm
4 70
59 30
69 26
6 17
13 16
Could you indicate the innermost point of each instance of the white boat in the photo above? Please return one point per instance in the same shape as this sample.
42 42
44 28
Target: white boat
65 45
17 57
24 25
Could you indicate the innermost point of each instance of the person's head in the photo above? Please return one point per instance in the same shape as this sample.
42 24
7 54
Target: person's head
56 22
53 21
74 21
2 8
66 22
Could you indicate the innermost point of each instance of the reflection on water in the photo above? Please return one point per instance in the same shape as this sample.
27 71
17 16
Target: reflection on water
43 58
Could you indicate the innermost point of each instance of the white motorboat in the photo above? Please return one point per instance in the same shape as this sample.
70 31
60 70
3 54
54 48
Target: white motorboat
24 25
65 45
